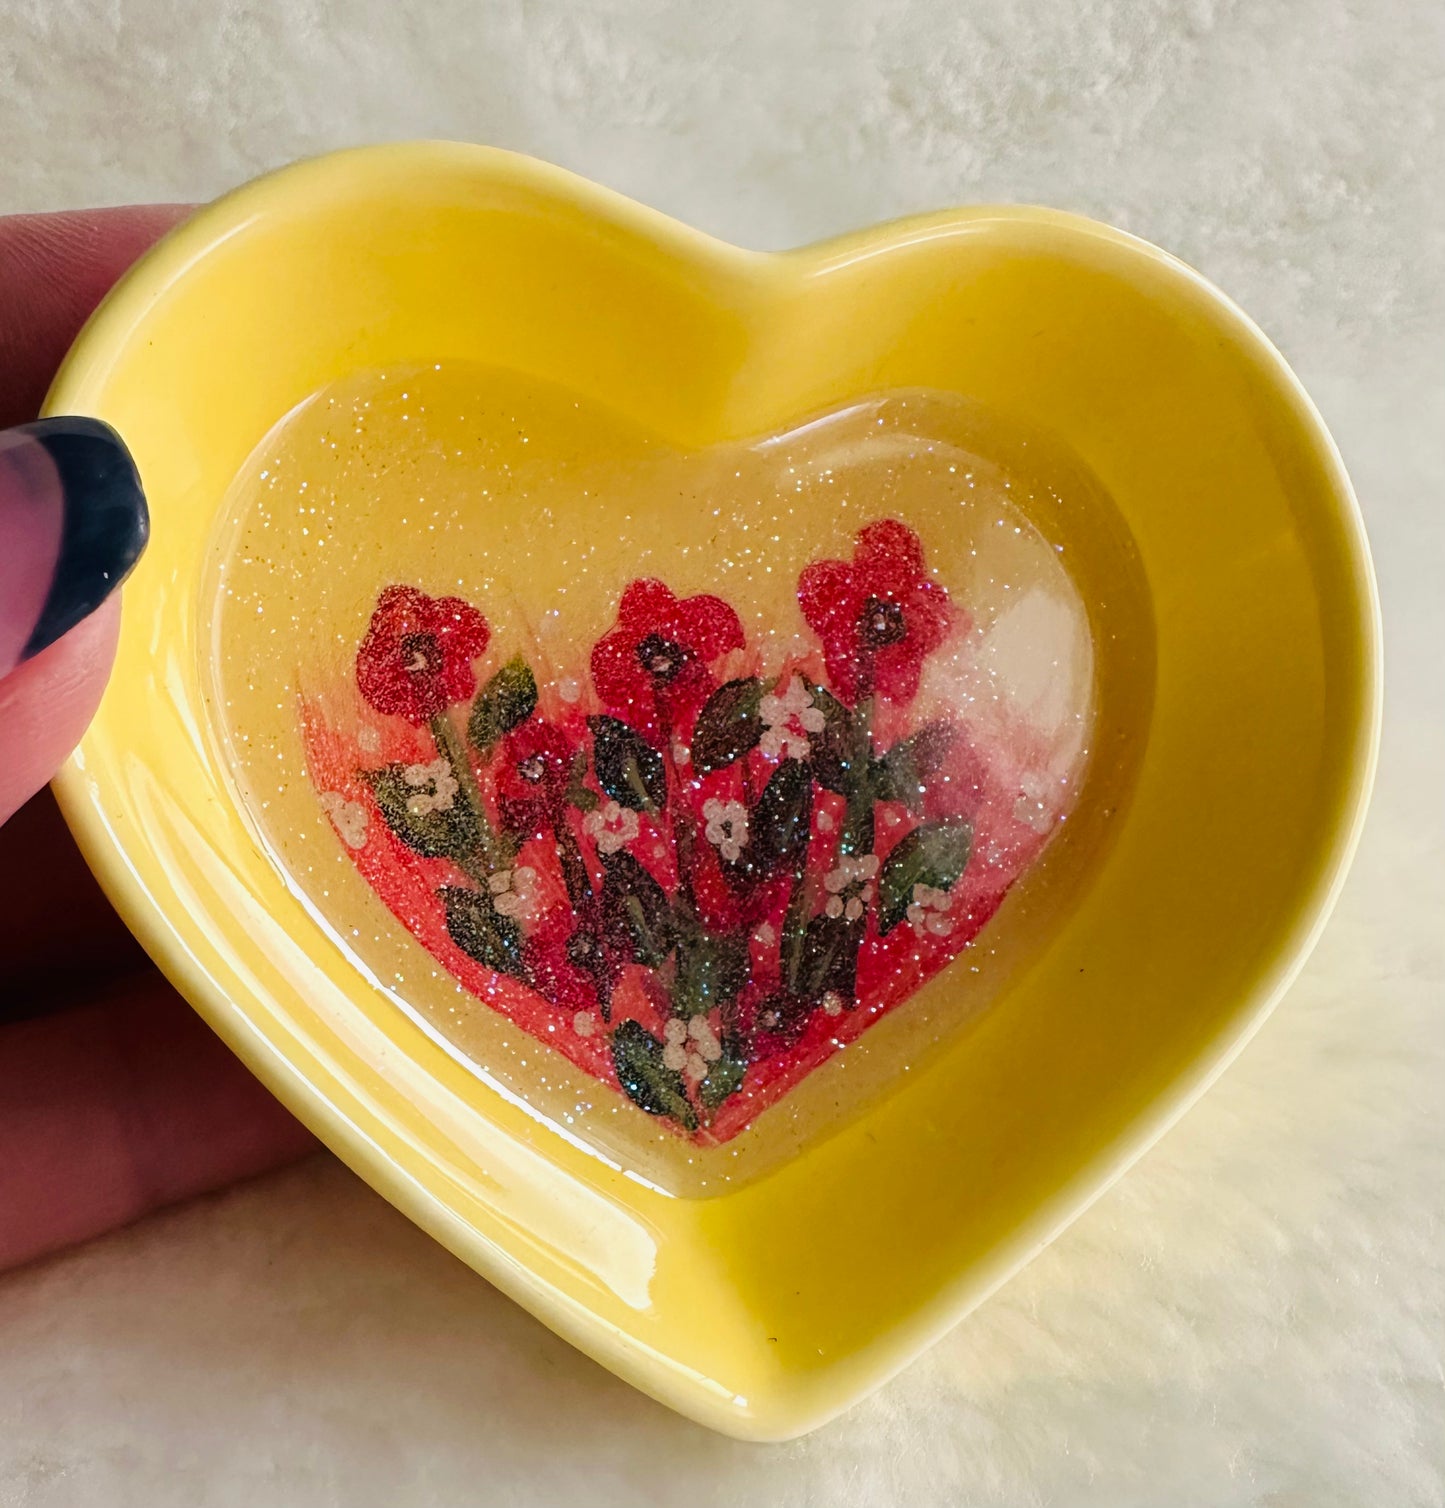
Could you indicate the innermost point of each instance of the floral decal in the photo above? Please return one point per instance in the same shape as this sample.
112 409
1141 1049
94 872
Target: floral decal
879 616
532 774
702 878
652 669
416 658
789 721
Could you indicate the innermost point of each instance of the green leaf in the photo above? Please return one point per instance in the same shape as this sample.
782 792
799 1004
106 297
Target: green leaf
830 957
902 773
477 928
504 703
635 909
450 834
711 970
858 826
779 825
728 726
577 794
725 1077
646 1079
934 854
932 745
834 754
629 769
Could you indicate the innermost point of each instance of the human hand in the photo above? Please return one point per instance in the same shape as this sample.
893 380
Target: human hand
114 1097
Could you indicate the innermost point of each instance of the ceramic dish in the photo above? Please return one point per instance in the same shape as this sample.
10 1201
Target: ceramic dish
664 1155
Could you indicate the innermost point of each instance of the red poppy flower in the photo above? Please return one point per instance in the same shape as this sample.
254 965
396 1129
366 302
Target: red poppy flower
416 658
656 660
879 616
532 776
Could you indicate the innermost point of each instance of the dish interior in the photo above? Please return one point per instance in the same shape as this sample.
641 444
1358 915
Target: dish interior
647 779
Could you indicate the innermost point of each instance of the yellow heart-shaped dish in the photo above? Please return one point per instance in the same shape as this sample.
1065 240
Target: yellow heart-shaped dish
765 1308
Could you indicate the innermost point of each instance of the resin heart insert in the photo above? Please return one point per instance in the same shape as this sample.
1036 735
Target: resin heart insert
698 860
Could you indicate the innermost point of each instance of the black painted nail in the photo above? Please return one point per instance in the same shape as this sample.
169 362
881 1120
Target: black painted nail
73 522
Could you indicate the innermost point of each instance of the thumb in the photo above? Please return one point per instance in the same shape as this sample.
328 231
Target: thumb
72 524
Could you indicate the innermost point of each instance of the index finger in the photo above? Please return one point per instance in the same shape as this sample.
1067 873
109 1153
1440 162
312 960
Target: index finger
128 1101
54 269
64 553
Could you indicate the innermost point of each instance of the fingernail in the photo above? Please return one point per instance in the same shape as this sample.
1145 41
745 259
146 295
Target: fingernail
73 522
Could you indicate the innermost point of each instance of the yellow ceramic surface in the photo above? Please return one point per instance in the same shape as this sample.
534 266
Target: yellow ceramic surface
766 1309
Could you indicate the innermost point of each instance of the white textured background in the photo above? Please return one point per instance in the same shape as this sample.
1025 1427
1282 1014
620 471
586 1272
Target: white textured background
1254 1315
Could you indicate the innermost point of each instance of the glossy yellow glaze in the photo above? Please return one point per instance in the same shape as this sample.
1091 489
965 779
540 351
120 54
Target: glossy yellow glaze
764 1310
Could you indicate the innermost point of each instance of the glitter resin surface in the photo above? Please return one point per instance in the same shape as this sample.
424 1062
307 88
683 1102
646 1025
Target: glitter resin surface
651 825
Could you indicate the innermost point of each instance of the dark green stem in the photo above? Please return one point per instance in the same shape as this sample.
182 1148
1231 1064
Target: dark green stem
857 835
574 871
684 839
449 743
684 835
795 925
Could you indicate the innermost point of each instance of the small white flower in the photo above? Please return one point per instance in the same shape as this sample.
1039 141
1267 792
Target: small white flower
689 1046
766 935
1033 807
514 891
832 1004
610 827
583 1024
825 822
435 786
569 690
727 827
851 869
675 1052
681 754
850 885
788 720
928 912
675 1056
347 817
707 1045
368 740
